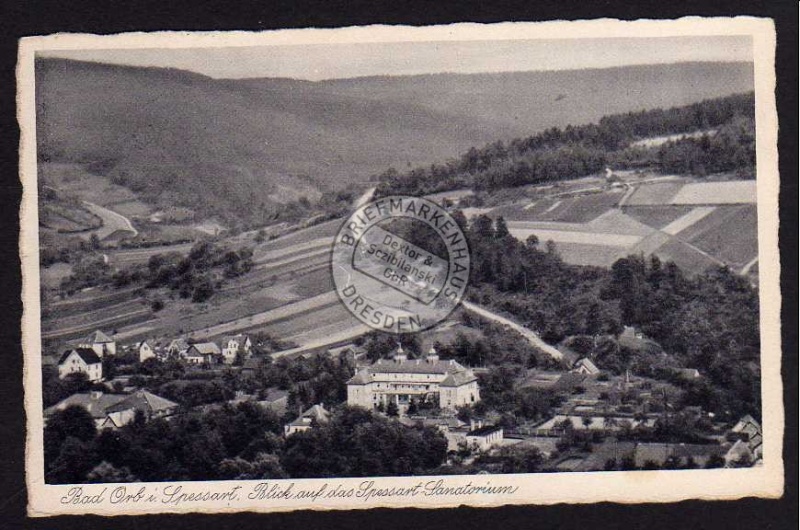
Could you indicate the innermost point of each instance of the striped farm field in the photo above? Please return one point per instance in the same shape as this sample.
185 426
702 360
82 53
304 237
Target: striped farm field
685 221
732 192
687 257
134 256
303 236
655 193
657 216
589 255
734 240
584 208
723 217
583 238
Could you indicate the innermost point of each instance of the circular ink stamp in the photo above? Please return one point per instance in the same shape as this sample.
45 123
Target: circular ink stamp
400 264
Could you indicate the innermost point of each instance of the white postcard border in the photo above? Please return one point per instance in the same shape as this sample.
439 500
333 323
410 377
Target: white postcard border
487 490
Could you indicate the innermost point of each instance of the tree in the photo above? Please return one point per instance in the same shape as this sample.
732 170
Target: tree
73 422
72 464
392 410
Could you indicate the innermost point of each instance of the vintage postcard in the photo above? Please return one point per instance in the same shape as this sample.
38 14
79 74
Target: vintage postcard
521 263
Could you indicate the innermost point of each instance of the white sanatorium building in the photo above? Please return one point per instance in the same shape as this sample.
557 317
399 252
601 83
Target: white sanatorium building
400 379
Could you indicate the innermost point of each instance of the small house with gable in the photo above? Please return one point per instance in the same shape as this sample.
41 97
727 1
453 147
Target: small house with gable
144 350
233 344
203 353
585 366
315 415
81 360
98 341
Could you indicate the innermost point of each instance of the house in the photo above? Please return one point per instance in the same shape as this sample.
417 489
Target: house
275 399
349 351
79 360
144 350
94 402
656 454
739 453
251 366
233 344
315 415
748 430
485 437
203 353
98 341
151 405
178 347
585 366
115 410
400 380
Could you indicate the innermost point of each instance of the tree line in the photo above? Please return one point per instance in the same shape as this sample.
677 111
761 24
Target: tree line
709 321
235 442
728 144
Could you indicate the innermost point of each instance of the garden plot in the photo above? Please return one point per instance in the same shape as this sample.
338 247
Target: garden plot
583 238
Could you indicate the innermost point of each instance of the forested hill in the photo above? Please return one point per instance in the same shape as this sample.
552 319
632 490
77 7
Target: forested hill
722 140
239 148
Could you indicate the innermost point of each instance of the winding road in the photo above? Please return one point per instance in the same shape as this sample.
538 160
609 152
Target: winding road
532 337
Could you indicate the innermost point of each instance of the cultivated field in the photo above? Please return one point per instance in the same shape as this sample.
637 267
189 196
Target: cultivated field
732 192
654 194
592 229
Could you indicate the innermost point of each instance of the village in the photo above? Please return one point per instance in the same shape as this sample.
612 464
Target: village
585 419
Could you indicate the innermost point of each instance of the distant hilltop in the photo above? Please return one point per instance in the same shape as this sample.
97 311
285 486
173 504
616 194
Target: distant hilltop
231 147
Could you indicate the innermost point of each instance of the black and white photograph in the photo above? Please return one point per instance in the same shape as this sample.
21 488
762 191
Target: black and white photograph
401 266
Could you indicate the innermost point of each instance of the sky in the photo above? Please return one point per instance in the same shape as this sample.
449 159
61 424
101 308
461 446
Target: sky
345 60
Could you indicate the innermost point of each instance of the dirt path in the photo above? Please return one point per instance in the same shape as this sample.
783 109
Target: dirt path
532 337
750 265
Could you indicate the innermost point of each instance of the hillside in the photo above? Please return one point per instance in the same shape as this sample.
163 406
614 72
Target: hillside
235 149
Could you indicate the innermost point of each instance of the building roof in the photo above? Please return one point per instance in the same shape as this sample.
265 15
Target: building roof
97 337
483 431
144 401
586 364
315 413
458 379
747 424
658 453
206 348
95 402
179 344
415 366
361 377
87 354
275 394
